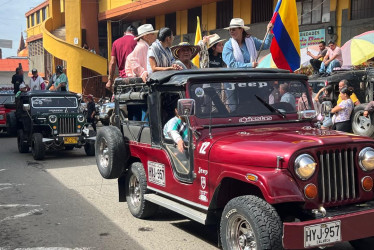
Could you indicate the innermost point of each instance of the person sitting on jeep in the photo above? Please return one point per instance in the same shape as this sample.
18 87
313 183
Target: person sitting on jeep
327 121
344 84
332 59
176 129
316 60
342 111
286 96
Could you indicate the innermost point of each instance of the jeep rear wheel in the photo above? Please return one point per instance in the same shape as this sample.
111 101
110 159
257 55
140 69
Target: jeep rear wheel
23 146
37 146
362 125
111 152
89 148
136 186
249 222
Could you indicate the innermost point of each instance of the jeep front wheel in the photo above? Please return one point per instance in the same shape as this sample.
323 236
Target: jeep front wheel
136 186
249 222
22 144
111 152
37 146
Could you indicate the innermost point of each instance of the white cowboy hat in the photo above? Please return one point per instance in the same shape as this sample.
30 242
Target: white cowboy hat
237 23
145 29
214 39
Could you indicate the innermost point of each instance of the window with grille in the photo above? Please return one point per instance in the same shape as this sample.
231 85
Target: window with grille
171 22
36 48
361 9
192 19
224 13
313 11
262 11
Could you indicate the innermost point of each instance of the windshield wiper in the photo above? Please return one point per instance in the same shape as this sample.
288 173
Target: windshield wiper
272 109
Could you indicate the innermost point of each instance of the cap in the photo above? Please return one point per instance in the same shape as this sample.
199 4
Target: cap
34 71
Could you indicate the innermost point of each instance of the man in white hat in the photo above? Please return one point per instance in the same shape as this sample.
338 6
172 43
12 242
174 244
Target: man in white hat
136 62
241 50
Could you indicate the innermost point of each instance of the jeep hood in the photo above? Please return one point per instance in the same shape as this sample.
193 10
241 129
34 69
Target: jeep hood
260 147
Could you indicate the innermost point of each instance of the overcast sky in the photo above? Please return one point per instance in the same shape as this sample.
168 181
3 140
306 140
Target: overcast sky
13 22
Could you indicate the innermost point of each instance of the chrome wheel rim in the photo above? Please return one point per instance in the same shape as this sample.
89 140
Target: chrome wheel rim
240 234
134 191
104 153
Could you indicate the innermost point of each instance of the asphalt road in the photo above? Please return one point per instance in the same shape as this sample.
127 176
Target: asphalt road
63 203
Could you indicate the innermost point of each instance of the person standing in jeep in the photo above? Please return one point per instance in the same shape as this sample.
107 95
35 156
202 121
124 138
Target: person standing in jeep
59 80
17 79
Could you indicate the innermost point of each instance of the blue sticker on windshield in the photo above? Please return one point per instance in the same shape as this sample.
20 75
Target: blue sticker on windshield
199 92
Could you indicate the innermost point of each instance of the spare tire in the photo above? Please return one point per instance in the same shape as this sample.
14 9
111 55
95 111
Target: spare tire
362 125
111 152
11 124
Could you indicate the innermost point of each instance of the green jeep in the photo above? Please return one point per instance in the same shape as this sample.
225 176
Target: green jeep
51 121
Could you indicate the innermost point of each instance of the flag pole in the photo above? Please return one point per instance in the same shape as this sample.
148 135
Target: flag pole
262 44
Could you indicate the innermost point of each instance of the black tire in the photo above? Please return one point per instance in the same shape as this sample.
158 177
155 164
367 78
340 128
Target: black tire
257 217
360 124
136 187
37 146
23 146
11 124
111 152
69 147
89 148
363 244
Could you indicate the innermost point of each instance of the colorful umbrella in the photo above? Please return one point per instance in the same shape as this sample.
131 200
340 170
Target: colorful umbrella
267 61
359 49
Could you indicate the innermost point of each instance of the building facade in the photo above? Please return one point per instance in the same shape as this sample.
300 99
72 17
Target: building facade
99 23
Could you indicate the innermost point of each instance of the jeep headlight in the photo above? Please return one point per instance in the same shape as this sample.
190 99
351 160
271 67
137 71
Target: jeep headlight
366 159
80 118
52 119
305 166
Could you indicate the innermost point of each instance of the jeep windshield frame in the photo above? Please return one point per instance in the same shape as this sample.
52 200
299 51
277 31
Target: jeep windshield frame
238 98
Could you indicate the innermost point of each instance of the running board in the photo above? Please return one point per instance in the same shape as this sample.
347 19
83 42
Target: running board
177 207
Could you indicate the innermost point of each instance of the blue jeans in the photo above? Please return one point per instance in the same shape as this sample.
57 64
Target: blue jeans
333 64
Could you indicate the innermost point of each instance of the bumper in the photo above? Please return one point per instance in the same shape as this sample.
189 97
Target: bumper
356 223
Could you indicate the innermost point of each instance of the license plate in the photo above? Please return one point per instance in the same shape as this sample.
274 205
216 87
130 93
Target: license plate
321 234
156 173
70 140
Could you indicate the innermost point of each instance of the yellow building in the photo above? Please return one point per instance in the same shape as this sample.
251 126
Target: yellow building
65 26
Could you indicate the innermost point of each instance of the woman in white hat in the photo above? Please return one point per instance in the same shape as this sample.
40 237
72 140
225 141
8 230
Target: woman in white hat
241 50
136 61
211 48
184 52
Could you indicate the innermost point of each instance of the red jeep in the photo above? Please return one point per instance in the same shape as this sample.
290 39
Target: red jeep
254 162
7 118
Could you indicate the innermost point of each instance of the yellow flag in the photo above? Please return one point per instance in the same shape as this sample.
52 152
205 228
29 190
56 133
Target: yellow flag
196 59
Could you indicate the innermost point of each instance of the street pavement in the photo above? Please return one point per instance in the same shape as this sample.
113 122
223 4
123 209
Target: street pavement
63 203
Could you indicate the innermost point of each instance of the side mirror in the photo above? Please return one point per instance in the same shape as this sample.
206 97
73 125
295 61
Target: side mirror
26 107
307 114
326 107
186 107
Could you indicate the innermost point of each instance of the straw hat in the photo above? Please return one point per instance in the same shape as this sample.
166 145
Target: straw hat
237 23
214 39
175 49
145 29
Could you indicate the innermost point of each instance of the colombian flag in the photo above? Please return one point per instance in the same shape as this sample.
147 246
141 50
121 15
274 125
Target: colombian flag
285 46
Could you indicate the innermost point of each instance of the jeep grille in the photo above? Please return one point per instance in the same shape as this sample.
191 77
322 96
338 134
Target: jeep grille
337 175
67 125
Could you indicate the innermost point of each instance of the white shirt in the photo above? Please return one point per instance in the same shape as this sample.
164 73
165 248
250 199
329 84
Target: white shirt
35 84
